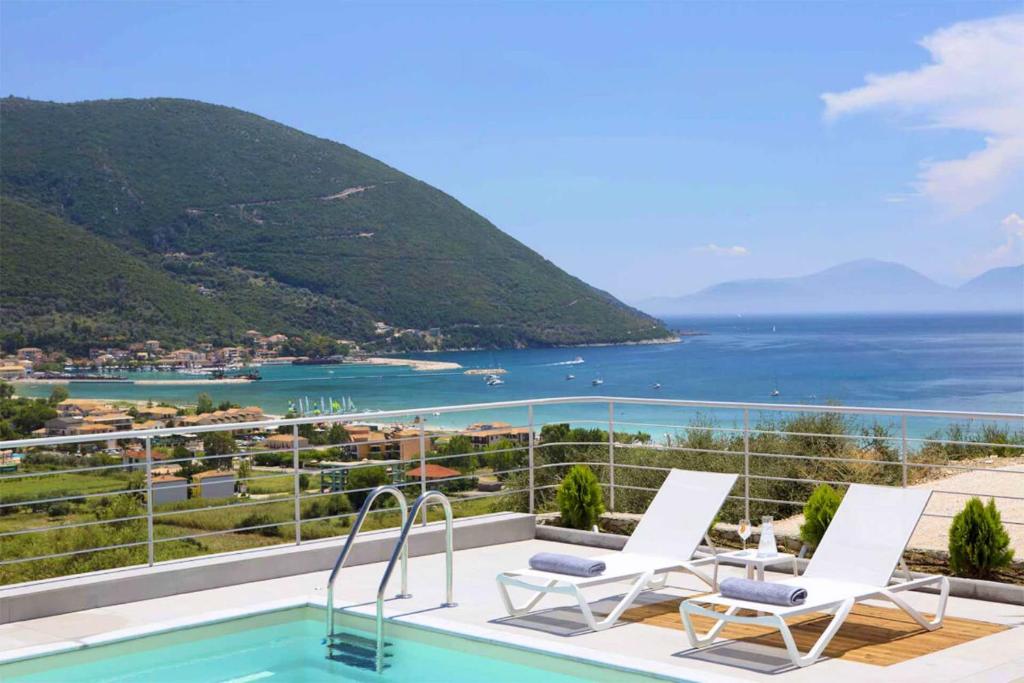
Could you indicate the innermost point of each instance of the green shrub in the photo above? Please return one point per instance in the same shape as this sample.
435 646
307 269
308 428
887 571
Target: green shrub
259 519
580 498
818 513
365 478
978 542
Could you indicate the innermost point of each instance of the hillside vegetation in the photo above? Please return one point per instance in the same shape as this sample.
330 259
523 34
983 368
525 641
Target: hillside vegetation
61 283
283 231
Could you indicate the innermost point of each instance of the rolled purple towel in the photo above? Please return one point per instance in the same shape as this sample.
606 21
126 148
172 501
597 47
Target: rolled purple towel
566 564
762 591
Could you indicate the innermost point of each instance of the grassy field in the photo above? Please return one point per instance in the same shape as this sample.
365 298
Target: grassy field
61 485
261 483
171 530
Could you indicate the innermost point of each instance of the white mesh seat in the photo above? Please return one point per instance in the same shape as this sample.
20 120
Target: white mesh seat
854 561
665 540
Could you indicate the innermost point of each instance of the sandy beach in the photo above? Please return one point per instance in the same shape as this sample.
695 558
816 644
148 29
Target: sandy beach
414 363
141 382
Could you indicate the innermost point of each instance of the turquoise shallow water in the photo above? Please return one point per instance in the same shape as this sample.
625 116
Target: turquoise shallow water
285 647
956 362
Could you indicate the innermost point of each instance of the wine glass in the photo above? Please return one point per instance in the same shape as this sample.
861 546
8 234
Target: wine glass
744 531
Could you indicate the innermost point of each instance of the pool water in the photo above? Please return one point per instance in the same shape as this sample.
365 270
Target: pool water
286 646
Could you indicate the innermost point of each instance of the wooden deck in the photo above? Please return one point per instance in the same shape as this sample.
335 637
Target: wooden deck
870 635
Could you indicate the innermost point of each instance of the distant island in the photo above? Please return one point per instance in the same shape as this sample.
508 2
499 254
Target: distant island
864 286
191 223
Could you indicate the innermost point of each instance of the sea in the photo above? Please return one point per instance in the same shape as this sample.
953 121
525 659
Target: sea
958 362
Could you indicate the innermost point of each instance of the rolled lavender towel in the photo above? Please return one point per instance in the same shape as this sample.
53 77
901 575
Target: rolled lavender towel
566 564
762 591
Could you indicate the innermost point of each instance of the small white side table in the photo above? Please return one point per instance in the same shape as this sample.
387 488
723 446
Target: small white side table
751 560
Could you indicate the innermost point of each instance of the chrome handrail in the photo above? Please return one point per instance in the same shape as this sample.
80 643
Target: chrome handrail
343 555
402 547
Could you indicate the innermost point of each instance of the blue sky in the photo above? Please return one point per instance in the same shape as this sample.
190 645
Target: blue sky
651 149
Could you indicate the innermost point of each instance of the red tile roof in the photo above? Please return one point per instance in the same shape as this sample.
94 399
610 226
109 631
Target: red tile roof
434 472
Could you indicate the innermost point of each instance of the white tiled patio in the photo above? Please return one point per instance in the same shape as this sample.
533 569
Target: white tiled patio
658 651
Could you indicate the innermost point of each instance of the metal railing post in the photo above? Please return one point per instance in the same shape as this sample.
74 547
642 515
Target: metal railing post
611 456
529 415
903 448
149 502
295 465
423 465
746 463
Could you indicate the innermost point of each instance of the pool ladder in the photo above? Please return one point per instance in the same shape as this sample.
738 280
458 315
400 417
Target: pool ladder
360 651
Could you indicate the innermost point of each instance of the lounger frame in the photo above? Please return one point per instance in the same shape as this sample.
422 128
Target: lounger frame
903 509
651 579
665 540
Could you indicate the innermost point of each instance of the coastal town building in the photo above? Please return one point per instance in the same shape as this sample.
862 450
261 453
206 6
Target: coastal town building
63 426
168 488
368 442
135 457
116 421
80 407
158 412
484 434
74 426
409 443
31 354
277 441
229 416
149 424
433 472
12 371
215 483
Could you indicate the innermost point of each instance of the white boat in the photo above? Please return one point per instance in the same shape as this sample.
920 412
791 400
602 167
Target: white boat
597 382
775 392
568 377
494 381
657 385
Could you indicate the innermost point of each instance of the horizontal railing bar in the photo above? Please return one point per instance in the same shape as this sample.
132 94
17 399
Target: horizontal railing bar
218 532
938 515
383 415
72 552
73 470
40 501
41 529
979 444
978 495
682 449
824 458
965 468
228 506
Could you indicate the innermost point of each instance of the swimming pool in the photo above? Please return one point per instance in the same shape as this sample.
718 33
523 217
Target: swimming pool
286 646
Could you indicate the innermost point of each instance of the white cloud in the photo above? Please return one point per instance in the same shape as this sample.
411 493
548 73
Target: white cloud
975 82
722 251
1009 252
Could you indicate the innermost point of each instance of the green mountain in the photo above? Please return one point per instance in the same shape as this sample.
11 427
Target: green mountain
61 282
277 230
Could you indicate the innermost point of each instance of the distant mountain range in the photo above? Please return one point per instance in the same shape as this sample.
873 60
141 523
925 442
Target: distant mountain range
867 285
125 220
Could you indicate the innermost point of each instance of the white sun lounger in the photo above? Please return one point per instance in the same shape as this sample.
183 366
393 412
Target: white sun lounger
854 562
664 541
